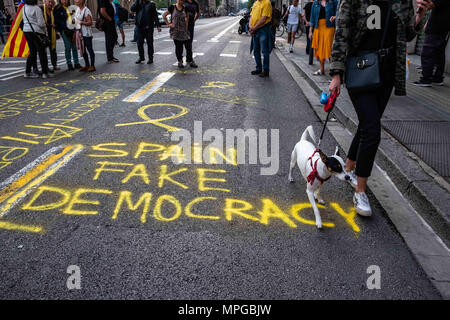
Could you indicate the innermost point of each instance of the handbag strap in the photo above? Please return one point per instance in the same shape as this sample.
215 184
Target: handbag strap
386 25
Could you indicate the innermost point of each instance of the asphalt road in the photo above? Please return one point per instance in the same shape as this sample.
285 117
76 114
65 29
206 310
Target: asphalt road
85 150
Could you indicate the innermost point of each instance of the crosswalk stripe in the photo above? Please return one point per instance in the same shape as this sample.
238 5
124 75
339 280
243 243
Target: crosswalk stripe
231 55
145 91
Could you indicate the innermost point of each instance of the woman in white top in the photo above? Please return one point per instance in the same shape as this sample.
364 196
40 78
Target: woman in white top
83 23
33 29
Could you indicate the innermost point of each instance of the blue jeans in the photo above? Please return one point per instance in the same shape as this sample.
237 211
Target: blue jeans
262 42
70 49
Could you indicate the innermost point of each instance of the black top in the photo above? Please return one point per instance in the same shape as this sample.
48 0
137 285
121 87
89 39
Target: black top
439 21
60 15
191 10
322 14
173 6
372 39
307 9
146 14
108 6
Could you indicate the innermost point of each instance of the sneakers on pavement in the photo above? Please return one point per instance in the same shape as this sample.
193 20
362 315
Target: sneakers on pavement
255 72
362 204
31 75
437 82
351 178
422 83
193 64
139 60
180 65
264 74
70 67
46 76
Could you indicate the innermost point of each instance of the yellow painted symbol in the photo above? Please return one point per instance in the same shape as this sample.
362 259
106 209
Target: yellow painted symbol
157 122
218 84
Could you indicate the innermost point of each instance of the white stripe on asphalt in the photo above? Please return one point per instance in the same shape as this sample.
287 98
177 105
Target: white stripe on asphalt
12 68
146 90
217 37
195 54
231 55
163 53
19 72
129 52
235 41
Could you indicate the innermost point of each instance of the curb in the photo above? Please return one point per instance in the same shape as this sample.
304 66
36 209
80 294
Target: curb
427 247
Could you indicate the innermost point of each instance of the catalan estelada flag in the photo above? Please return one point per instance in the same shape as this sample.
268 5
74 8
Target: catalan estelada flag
16 45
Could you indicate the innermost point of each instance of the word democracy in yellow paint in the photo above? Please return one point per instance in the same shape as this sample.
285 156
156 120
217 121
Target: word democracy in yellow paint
166 208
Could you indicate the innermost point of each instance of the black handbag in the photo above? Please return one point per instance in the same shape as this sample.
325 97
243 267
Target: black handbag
363 70
43 38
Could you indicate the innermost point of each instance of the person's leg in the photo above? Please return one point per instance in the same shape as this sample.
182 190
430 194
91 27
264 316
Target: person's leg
179 50
439 57
264 41
427 58
1 33
90 49
42 58
31 59
135 34
120 24
87 44
73 46
54 58
191 32
257 50
188 46
322 66
294 31
308 41
67 48
140 43
149 39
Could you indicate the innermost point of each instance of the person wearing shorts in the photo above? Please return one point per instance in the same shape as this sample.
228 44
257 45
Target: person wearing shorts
294 18
119 23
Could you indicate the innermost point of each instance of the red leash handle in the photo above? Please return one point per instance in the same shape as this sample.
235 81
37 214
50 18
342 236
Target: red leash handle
331 102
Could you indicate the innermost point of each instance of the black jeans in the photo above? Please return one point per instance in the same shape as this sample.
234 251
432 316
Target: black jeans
179 50
369 106
34 44
88 48
433 57
191 31
146 34
308 40
110 38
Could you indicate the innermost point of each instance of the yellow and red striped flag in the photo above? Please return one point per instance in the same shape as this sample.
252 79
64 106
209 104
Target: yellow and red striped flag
16 45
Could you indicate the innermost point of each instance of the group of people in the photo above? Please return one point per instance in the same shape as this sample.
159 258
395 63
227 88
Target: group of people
43 25
340 31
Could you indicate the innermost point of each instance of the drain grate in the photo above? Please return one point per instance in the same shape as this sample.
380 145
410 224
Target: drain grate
430 140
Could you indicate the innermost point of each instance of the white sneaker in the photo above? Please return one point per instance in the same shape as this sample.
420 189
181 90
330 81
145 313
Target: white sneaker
31 75
362 204
351 178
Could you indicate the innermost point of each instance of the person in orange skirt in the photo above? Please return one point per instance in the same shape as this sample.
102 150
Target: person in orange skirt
323 16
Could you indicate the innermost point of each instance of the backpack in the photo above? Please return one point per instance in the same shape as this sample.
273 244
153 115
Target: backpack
123 14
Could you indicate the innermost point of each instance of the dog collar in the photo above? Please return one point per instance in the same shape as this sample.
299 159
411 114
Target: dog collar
314 173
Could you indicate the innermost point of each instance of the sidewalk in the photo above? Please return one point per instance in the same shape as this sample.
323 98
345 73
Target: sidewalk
413 157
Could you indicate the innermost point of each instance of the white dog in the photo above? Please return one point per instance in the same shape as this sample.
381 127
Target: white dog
316 168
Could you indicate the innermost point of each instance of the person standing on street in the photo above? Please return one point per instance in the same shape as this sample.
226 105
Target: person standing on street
62 14
2 22
179 32
34 28
276 17
119 22
436 39
146 20
322 25
49 18
260 18
294 14
307 16
107 11
193 10
354 38
83 23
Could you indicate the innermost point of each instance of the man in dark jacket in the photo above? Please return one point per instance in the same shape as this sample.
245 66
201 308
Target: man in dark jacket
107 12
61 15
436 38
146 19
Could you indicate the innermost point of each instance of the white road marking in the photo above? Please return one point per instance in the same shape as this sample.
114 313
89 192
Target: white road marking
217 37
231 55
16 61
146 90
12 68
129 52
235 41
18 73
164 53
195 54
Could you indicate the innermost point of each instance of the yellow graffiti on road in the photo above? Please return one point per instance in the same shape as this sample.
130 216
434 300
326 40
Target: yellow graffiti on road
208 94
111 76
157 122
218 84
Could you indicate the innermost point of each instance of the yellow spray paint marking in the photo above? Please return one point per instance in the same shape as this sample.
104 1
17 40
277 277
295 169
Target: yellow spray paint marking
349 217
296 208
157 122
23 180
218 84
19 227
144 92
51 165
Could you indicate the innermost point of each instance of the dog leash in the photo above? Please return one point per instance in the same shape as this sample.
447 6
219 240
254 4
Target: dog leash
328 102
